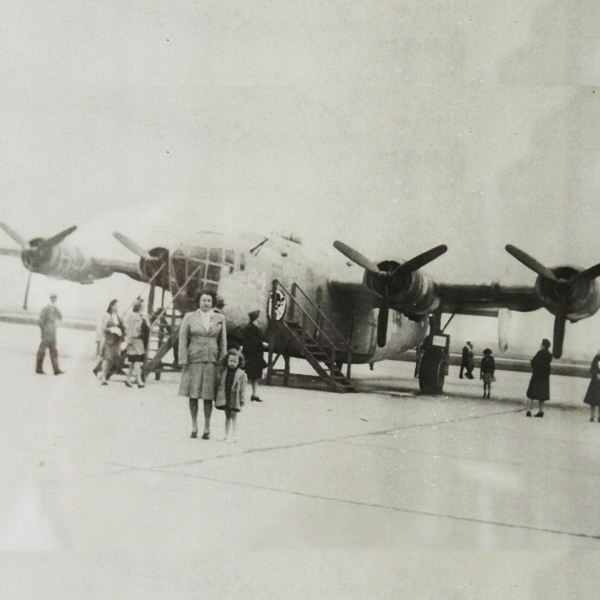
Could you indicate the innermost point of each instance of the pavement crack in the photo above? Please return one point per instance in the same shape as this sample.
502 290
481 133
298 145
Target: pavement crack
394 508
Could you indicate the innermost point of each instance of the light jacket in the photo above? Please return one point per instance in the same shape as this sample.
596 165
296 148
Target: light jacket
198 344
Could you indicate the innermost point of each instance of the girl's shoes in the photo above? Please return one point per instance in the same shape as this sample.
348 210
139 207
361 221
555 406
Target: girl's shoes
194 434
528 413
539 414
205 435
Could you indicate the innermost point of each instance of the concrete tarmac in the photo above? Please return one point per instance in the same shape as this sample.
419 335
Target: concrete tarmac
381 494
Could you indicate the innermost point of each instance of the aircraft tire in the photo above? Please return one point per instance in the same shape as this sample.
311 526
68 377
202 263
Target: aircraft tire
432 374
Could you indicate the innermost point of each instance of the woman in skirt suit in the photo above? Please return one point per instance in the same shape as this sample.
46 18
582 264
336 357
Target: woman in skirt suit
202 345
592 396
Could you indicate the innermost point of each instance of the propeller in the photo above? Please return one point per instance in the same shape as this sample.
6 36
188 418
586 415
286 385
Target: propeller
563 289
387 277
131 245
36 251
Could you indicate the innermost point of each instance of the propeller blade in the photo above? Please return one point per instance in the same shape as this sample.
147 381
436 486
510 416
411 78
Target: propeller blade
131 245
420 261
559 335
9 252
15 236
589 274
357 257
55 240
27 290
531 263
382 319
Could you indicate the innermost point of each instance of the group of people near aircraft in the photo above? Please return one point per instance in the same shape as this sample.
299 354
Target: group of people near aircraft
218 375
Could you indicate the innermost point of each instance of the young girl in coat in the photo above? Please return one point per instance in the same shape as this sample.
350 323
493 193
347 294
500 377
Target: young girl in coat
488 367
232 391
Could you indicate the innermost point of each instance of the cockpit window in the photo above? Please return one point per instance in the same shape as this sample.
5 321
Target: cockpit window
200 253
215 255
214 273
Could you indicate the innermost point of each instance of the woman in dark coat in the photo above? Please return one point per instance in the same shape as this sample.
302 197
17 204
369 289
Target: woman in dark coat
252 347
539 386
592 397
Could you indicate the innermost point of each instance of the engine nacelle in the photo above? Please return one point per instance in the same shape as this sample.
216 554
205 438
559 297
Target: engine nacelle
415 293
583 299
63 262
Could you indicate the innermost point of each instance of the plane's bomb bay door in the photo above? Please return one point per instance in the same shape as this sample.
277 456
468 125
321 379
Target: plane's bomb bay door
192 269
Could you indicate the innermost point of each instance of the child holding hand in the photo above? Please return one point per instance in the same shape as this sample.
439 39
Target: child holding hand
232 391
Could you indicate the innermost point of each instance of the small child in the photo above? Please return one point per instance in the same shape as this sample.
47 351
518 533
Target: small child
488 366
232 391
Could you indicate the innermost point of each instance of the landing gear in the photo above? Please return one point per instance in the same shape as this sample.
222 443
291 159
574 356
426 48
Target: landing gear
434 363
434 368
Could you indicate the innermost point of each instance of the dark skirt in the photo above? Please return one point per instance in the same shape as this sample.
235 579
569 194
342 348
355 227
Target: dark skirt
539 387
592 396
254 367
199 380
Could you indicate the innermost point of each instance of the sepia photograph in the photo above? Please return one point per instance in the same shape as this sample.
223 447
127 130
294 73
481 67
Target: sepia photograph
299 300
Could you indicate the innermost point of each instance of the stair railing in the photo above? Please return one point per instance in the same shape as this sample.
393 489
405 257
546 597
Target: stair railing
304 321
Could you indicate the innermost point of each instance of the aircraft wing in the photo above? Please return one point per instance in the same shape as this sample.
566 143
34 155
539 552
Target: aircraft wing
106 267
485 300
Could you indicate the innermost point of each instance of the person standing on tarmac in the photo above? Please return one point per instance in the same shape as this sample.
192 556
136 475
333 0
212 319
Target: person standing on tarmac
468 361
48 318
592 396
488 367
253 349
539 385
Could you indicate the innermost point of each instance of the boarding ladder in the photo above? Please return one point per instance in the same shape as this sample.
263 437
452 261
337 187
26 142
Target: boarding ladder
305 331
164 330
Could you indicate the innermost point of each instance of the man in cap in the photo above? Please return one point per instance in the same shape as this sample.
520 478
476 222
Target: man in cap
253 349
48 318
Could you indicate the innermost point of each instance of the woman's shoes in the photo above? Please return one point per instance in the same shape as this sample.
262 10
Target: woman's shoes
255 399
128 384
140 385
205 435
528 413
194 434
539 414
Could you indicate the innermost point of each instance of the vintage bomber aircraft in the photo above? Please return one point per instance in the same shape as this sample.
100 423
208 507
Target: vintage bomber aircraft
252 272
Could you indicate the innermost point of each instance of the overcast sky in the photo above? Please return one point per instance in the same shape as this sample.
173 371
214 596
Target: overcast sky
391 127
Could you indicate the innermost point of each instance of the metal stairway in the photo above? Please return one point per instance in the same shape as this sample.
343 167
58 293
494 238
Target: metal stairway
164 333
305 331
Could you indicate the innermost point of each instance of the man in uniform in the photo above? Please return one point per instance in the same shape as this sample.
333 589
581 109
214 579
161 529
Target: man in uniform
48 318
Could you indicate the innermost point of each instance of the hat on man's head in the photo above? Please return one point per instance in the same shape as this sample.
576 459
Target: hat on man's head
254 315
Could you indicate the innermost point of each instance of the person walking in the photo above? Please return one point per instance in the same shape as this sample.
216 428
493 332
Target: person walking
48 319
253 348
113 335
488 367
592 396
468 361
202 346
232 392
136 349
539 385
